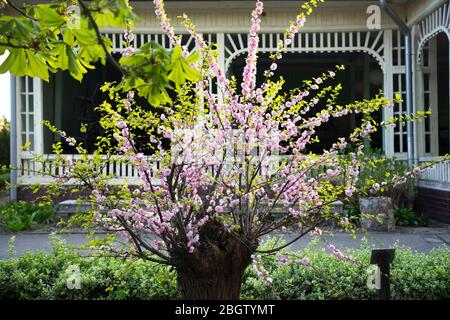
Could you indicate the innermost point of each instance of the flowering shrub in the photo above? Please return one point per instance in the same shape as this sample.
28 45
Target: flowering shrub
377 168
219 164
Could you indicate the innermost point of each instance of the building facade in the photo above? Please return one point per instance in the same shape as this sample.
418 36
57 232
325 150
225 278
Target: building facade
336 33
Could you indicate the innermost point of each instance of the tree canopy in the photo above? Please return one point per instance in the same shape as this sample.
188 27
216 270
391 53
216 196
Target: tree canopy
47 38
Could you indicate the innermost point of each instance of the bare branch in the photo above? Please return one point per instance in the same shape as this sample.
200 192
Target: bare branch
287 244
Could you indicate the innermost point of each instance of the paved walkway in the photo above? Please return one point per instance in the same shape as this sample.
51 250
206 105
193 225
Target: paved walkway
420 239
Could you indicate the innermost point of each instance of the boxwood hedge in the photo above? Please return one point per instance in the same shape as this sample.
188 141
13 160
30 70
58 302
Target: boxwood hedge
44 276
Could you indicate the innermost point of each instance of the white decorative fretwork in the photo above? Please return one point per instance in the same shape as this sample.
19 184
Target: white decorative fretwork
438 21
119 45
320 42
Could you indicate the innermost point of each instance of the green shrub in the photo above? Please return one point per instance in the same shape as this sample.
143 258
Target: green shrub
4 181
378 167
21 215
407 217
44 276
413 276
4 142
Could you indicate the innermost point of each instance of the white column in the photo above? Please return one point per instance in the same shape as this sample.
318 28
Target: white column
38 116
388 133
419 106
434 123
19 107
416 72
221 59
13 140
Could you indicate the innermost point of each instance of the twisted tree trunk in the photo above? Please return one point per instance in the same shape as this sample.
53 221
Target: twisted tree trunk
216 269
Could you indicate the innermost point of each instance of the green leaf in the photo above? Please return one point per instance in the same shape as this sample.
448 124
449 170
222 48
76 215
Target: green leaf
180 70
19 64
60 59
74 67
37 67
48 17
69 37
193 57
6 65
85 36
15 26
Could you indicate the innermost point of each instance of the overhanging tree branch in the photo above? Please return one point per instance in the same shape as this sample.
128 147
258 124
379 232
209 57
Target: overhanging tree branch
12 5
100 39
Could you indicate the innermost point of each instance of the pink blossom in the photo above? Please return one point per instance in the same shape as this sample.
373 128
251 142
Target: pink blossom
128 52
345 221
121 124
283 259
317 232
375 188
166 172
349 191
98 196
305 261
71 141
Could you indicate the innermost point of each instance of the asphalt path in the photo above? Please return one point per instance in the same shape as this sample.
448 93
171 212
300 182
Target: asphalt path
423 240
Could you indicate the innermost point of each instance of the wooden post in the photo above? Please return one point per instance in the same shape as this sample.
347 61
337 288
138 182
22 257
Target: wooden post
383 258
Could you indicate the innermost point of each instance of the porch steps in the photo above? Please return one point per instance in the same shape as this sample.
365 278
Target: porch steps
65 209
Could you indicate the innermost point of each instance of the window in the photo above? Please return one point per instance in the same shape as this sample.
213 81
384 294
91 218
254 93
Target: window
26 114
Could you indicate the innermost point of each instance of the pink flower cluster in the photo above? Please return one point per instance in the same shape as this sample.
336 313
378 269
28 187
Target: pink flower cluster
338 253
201 44
283 258
260 271
70 140
249 75
129 39
165 22
129 100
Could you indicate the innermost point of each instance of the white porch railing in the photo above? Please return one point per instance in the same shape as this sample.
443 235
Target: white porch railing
122 171
42 171
437 176
116 167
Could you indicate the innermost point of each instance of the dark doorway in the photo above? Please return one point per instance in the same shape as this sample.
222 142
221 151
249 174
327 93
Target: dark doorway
362 79
443 92
69 104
